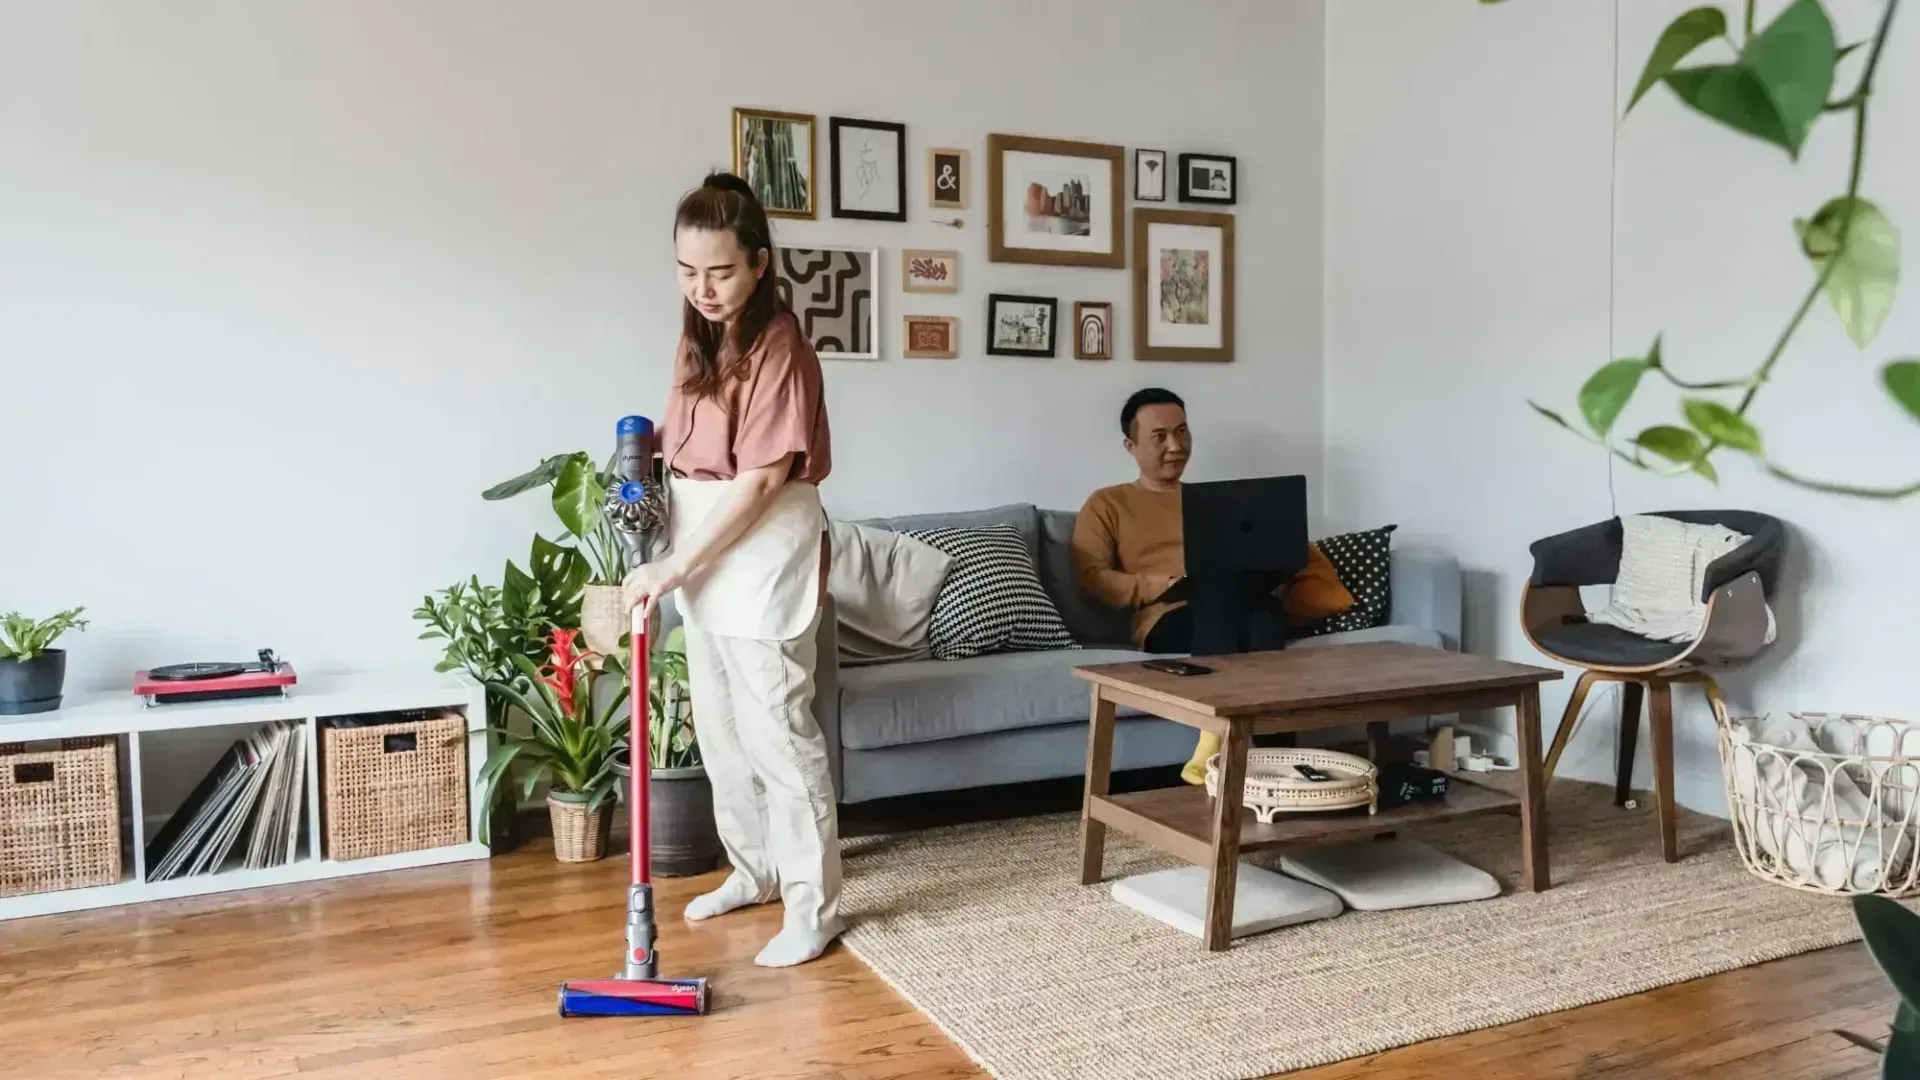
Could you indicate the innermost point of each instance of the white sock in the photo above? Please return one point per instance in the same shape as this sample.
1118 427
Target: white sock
737 891
796 945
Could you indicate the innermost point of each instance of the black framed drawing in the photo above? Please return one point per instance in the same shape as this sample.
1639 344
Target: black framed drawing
1209 178
869 169
1021 325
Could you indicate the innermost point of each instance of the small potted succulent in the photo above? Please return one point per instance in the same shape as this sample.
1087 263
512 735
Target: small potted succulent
572 744
33 674
680 808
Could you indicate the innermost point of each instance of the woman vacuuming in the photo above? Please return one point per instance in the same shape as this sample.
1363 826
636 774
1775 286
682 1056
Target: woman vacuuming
746 443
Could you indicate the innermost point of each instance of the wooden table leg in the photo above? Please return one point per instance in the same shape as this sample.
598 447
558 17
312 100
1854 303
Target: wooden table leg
1224 875
1660 730
1533 792
1093 834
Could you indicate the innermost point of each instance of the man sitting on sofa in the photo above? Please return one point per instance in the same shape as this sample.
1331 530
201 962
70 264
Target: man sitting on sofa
1129 552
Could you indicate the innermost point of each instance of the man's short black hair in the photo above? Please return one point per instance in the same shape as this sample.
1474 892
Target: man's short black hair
1152 395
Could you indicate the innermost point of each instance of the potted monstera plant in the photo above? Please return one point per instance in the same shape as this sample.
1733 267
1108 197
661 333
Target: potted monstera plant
33 674
572 743
680 808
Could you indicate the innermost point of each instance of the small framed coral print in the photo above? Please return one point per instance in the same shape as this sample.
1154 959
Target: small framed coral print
929 271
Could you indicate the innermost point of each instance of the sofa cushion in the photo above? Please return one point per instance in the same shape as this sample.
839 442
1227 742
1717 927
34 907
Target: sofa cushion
1364 562
1396 632
1024 517
1088 620
926 700
991 601
884 586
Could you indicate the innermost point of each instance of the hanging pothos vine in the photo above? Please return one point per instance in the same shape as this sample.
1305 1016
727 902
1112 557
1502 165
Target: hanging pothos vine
1779 84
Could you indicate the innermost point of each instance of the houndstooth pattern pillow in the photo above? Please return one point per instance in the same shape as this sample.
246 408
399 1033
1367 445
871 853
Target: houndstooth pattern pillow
992 600
1363 561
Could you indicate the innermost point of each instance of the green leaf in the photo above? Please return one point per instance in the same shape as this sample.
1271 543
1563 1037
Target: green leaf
1705 469
1901 1061
1685 34
1779 85
1902 379
1865 271
1676 444
1721 424
543 473
1905 1019
576 498
1553 416
1892 935
1608 392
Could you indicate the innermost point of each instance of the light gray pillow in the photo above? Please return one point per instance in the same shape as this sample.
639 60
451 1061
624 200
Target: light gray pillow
884 585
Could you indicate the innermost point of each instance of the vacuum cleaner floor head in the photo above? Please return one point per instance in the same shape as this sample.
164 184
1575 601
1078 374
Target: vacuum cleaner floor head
633 997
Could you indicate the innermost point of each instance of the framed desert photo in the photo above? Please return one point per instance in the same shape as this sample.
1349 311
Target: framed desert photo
773 153
1020 325
932 337
929 271
1209 178
1150 175
835 294
1058 202
1182 285
869 169
1092 330
948 169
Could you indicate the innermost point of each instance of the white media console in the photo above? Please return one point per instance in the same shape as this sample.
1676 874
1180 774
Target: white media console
141 729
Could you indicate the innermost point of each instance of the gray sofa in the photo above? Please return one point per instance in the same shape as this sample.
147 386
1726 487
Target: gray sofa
931 725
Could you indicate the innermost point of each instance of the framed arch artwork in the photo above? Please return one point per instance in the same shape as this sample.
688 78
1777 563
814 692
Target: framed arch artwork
1092 330
835 294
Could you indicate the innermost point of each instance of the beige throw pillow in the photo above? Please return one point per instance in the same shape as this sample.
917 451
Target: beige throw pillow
884 585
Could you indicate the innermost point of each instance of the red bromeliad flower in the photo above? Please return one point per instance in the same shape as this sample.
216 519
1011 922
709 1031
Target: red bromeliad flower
559 675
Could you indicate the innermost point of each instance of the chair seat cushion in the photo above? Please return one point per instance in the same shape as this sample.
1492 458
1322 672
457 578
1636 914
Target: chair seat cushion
926 700
1380 875
1608 646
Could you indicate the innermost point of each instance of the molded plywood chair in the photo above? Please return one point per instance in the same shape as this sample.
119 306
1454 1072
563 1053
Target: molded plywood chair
1735 593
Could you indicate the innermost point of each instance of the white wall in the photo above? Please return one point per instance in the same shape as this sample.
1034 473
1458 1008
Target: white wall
284 286
1473 262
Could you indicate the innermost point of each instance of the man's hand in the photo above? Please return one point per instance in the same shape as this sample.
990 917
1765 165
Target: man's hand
1159 585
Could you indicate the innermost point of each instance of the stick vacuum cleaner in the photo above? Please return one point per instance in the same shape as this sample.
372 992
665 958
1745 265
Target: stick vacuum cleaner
638 514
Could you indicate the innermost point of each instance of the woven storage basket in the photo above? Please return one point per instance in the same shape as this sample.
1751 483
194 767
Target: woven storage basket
1827 808
395 787
1273 787
579 834
59 816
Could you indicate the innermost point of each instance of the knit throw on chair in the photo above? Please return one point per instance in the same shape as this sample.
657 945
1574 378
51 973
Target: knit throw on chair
1663 568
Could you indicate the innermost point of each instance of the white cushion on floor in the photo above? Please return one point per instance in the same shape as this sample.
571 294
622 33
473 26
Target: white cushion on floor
1377 875
1262 899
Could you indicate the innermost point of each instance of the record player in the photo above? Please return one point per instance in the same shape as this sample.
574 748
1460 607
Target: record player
171 683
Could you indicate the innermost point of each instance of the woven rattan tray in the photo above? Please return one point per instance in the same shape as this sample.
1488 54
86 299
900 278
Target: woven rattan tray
1273 787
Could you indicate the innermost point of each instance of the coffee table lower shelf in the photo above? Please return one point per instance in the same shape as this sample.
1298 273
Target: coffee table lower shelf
1179 820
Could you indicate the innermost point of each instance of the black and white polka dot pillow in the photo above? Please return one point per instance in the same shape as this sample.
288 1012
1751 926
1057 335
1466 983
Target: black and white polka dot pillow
1361 560
992 600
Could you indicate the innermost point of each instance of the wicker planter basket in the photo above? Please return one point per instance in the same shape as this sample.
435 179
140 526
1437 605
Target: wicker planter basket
1824 802
393 787
579 834
1273 787
59 816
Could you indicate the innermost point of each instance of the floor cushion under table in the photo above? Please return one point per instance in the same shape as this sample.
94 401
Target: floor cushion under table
1378 875
1262 899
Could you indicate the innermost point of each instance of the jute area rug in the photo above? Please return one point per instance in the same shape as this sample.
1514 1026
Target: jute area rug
987 930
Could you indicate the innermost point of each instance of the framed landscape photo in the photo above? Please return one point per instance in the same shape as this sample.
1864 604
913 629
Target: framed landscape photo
835 294
948 169
1209 178
1020 325
1092 330
1056 202
1150 175
869 169
929 271
933 337
1182 285
773 153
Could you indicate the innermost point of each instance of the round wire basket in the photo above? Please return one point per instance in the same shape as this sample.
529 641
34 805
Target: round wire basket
1824 802
1274 787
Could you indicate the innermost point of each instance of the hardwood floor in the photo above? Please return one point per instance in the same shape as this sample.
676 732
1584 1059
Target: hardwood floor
452 971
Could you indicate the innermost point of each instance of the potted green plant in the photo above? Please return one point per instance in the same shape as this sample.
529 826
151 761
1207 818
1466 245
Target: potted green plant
33 674
571 746
1892 934
680 818
579 490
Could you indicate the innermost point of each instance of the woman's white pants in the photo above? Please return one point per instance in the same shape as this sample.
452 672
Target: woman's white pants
773 798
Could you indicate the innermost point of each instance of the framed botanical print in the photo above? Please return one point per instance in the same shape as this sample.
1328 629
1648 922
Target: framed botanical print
948 172
1054 201
1209 178
773 153
869 169
835 293
1182 285
1092 330
1020 325
929 271
935 337
1150 175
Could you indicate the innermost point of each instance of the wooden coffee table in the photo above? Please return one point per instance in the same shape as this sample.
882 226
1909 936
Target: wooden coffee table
1297 690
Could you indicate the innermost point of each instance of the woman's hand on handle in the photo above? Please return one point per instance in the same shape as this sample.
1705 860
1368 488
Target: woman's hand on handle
646 584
